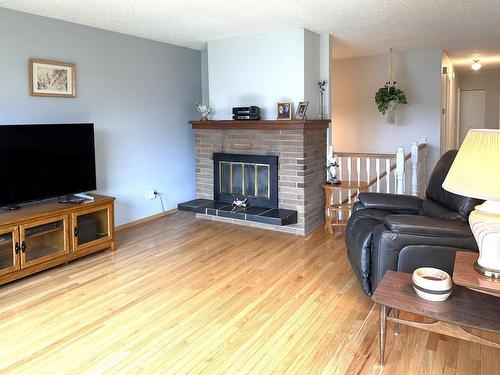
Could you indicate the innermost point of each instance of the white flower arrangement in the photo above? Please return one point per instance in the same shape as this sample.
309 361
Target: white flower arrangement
205 111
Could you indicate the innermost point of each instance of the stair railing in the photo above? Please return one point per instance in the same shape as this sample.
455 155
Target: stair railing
398 173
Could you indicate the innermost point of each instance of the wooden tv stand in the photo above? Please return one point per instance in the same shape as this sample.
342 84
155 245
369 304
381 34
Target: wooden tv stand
45 234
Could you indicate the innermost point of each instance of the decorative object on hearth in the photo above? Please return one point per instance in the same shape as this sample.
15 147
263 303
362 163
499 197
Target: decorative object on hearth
432 284
322 89
284 110
390 96
239 203
301 111
205 111
52 78
475 173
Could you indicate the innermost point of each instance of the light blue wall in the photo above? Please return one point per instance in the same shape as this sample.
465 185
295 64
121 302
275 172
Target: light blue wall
139 94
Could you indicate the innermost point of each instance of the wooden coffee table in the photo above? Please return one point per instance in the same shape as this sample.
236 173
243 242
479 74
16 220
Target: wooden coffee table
465 308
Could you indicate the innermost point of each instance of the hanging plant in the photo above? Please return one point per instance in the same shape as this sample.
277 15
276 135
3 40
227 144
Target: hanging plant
389 95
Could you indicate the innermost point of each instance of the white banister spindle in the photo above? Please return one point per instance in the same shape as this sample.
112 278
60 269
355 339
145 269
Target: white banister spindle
339 212
414 168
395 176
349 168
400 170
388 175
358 169
340 167
423 164
368 167
377 171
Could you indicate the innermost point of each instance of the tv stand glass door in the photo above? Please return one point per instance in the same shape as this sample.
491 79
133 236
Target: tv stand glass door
9 250
44 240
92 227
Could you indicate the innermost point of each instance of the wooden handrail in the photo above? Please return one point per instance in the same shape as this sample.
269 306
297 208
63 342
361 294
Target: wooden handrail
365 155
376 155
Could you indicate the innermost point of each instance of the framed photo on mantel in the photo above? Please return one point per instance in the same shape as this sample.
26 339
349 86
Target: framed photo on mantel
52 78
301 111
284 110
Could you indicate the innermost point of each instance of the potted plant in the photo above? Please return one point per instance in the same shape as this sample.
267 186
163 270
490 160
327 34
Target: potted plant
388 98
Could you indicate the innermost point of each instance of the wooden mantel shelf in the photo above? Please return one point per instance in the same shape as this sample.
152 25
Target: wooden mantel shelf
260 124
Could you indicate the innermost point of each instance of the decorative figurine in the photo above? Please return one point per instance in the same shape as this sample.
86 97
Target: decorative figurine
332 169
240 203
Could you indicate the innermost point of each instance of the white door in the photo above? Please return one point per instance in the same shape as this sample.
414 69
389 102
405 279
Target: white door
472 111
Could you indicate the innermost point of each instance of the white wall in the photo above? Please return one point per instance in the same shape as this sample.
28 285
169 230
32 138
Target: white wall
204 77
449 102
312 72
490 82
262 70
357 124
326 73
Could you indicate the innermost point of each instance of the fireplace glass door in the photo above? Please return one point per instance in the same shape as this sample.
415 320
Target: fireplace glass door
244 179
250 177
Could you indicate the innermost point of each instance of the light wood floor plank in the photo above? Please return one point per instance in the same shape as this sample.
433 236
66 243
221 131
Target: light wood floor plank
188 296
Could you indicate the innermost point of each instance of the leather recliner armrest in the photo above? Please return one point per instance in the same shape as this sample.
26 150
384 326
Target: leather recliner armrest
396 203
427 226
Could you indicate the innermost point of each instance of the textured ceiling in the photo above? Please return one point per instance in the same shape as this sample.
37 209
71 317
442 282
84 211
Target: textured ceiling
361 27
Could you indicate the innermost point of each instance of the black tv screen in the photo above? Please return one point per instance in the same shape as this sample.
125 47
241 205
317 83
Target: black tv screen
45 161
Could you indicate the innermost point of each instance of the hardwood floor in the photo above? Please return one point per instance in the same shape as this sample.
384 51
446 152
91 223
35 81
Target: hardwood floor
183 295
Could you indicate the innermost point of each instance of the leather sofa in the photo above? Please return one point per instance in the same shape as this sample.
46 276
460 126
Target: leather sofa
402 232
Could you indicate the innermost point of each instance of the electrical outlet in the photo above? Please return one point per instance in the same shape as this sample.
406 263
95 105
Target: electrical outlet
151 194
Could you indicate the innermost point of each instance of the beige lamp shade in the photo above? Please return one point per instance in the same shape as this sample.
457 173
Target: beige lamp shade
476 170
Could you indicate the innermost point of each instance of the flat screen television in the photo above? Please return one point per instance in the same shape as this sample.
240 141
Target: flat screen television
38 162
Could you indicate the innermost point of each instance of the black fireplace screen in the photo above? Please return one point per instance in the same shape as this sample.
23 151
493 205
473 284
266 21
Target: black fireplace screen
252 177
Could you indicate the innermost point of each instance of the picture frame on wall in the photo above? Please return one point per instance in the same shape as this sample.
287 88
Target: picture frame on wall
52 78
301 111
284 111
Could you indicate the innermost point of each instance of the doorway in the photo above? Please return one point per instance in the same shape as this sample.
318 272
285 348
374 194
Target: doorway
472 111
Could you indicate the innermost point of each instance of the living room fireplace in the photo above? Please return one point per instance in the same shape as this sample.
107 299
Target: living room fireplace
278 165
250 177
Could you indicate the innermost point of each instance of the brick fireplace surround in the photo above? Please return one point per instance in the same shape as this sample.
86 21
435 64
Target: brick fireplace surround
301 148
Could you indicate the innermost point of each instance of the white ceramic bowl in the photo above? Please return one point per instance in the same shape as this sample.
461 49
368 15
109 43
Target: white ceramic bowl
432 284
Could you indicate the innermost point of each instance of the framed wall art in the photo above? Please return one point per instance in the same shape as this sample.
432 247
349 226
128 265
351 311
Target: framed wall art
52 78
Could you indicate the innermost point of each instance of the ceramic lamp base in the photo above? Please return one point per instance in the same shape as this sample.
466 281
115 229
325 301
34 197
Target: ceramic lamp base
488 272
485 225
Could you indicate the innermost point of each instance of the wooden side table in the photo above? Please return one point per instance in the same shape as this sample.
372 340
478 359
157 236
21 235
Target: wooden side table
337 214
464 308
464 274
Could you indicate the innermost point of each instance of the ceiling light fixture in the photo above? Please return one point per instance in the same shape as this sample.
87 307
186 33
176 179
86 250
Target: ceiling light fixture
476 65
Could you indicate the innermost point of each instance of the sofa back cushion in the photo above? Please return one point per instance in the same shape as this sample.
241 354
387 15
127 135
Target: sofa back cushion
462 205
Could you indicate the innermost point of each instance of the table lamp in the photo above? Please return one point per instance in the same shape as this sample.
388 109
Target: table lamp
475 173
